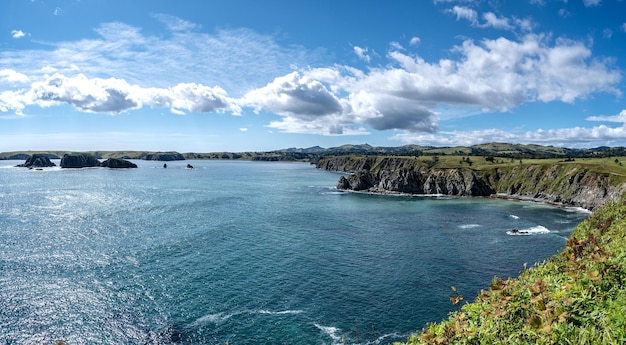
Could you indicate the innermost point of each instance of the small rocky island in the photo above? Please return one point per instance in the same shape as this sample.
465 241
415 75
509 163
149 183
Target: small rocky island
75 161
37 161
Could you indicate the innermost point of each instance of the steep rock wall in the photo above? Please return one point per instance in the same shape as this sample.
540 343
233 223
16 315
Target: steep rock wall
567 184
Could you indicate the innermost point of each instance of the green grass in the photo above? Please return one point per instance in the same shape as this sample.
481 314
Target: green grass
575 297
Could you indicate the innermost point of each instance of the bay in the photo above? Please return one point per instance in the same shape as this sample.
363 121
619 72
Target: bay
245 253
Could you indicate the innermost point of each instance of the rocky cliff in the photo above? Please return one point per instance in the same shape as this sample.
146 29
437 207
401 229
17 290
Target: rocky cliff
568 184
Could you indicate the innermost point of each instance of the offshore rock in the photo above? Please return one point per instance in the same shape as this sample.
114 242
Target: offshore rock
117 163
79 160
37 161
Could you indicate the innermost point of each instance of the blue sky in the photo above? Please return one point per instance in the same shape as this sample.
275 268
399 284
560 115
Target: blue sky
204 76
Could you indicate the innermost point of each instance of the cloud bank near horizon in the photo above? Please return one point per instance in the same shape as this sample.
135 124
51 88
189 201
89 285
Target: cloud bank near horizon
124 69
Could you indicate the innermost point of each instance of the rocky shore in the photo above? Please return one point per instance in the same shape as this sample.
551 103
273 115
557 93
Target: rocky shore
562 184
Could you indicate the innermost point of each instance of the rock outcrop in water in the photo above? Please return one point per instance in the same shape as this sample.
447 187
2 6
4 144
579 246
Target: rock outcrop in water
117 163
568 184
79 160
37 161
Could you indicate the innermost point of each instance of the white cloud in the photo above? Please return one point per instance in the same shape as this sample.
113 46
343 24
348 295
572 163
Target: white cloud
491 20
11 101
11 76
17 34
296 96
497 23
112 96
176 24
89 95
495 75
624 27
404 94
568 137
466 13
591 3
396 46
621 118
362 53
243 129
237 60
415 41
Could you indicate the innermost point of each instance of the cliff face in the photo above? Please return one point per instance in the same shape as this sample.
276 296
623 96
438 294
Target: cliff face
570 184
461 182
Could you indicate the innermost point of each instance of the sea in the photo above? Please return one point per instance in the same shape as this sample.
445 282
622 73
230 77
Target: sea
240 252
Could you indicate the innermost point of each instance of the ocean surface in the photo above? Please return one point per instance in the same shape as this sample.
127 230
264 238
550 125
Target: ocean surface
245 253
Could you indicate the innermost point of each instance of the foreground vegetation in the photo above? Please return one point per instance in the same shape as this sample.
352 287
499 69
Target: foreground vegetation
575 297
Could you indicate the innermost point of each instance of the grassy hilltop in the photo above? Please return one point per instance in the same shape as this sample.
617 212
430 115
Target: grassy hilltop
575 297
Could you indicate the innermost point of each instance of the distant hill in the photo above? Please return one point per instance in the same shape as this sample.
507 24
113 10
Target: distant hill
504 150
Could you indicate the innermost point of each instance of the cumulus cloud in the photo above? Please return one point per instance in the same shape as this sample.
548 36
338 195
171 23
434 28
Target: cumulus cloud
294 95
11 76
112 96
89 95
17 34
569 137
491 75
415 41
405 94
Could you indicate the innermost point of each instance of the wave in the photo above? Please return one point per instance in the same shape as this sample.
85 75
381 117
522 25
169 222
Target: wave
284 312
535 230
513 216
578 210
332 332
222 317
469 226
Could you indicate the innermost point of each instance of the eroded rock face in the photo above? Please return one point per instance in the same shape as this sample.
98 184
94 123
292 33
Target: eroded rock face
79 160
460 182
571 185
37 161
117 163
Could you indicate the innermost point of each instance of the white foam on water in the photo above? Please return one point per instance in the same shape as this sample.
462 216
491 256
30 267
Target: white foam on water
332 332
283 312
215 318
469 226
578 210
535 230
513 216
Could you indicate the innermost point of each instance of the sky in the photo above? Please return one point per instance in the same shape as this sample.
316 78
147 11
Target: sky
209 76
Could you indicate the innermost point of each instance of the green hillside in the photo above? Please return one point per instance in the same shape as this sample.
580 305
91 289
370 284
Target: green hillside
575 297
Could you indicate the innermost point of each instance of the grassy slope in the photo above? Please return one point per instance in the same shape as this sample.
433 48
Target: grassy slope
575 297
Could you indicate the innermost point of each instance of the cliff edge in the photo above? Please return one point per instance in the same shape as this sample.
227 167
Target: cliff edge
569 183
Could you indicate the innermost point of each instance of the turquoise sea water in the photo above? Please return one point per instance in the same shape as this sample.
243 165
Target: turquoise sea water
244 253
